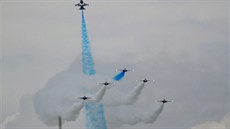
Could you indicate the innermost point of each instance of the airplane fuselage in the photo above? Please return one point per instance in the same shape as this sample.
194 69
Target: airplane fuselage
81 4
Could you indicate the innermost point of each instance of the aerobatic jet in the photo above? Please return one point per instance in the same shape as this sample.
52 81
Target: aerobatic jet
105 83
164 101
124 70
145 80
81 4
84 97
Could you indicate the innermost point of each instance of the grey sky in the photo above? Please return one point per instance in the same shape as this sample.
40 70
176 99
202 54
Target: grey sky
181 44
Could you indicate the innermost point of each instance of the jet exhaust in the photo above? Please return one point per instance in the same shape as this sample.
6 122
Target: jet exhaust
87 59
9 119
151 117
125 115
95 117
119 76
128 99
94 112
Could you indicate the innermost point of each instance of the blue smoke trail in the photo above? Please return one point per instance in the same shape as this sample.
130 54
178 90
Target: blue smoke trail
119 76
95 116
87 59
94 111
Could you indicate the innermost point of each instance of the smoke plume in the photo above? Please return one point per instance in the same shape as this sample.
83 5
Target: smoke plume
87 59
119 76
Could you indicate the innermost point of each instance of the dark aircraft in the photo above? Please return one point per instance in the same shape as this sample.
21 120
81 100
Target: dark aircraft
105 83
164 101
81 5
84 97
124 70
145 80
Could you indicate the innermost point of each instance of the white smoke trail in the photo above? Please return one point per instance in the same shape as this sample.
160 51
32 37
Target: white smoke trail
49 115
72 113
26 116
221 124
129 115
58 98
9 119
100 94
150 117
128 99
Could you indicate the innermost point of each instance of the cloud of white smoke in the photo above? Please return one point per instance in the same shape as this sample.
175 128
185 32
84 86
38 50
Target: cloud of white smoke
58 98
222 124
119 116
26 116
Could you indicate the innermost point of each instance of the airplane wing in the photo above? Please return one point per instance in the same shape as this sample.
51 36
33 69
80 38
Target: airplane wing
145 80
151 80
119 69
141 80
77 4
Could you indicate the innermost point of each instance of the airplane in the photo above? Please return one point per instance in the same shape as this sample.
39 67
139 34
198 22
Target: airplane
145 80
164 101
81 4
105 83
124 70
84 97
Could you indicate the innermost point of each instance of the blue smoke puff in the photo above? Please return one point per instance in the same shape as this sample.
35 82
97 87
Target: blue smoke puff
119 76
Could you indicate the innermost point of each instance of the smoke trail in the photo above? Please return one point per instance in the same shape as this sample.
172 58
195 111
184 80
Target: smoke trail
95 116
9 119
57 99
72 113
119 76
100 94
128 99
26 116
150 117
224 123
94 112
87 59
131 115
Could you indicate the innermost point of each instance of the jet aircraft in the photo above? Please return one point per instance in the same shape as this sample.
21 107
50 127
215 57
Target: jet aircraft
105 83
81 4
164 101
84 97
145 80
124 70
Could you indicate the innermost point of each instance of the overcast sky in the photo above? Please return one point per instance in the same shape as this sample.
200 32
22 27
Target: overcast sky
182 44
